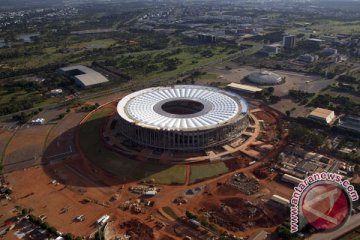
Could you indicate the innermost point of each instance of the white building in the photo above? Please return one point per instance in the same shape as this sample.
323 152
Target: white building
322 115
84 76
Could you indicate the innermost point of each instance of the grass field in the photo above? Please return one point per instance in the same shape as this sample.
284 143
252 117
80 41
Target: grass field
6 98
124 168
331 27
189 60
199 172
94 43
207 76
170 212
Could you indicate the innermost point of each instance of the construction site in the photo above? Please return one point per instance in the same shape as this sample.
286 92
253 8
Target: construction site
70 179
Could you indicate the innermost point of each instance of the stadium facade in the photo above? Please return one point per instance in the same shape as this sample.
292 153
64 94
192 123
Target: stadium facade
182 117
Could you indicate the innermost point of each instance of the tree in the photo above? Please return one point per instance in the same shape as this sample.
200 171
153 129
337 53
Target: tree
190 215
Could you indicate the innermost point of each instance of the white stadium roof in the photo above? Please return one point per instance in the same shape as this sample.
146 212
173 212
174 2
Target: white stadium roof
144 107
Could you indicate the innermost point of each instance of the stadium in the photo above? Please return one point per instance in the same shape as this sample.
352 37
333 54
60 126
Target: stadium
182 117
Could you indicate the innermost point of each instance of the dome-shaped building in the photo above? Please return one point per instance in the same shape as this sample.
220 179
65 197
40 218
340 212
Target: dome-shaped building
265 78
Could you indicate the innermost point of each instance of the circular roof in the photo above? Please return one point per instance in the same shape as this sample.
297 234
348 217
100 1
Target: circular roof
182 107
265 77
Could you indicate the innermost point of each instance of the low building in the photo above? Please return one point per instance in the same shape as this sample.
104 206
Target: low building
322 115
270 50
316 40
308 58
329 51
243 88
84 76
291 179
329 39
350 123
206 38
281 200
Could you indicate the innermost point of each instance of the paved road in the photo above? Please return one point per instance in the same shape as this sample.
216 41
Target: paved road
353 223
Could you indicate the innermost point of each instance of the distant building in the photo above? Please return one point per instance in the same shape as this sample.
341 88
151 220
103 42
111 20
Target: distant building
329 51
334 58
206 38
243 88
289 41
329 39
270 50
317 42
263 77
56 92
291 179
322 115
350 123
308 58
83 76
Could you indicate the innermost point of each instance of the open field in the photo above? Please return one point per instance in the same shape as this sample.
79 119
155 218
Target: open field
200 172
330 27
26 148
33 189
122 167
94 43
188 60
172 175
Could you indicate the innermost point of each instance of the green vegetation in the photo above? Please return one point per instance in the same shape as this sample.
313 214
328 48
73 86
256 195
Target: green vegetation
171 175
167 63
191 215
303 135
89 108
300 97
169 211
348 83
201 172
340 104
283 232
267 95
122 167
